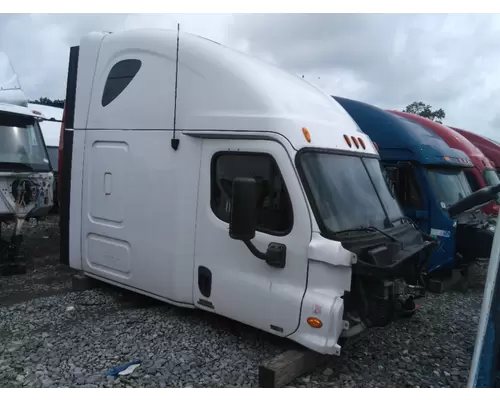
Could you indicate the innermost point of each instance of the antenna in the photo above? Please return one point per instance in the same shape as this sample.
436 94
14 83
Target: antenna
174 142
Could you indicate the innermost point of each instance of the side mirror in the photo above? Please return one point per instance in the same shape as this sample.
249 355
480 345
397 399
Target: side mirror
243 209
474 201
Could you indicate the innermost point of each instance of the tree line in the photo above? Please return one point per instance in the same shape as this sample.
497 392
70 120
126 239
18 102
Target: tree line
45 101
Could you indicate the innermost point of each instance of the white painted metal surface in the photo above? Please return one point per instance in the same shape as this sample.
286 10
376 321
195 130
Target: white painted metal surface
142 217
218 89
50 129
244 287
20 110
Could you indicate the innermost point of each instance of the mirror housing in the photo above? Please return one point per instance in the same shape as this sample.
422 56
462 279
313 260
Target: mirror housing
243 222
474 201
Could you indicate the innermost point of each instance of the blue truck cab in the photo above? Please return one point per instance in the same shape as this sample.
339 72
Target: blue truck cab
425 175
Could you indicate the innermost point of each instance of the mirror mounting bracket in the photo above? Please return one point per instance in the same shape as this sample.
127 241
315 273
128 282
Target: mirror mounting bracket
275 255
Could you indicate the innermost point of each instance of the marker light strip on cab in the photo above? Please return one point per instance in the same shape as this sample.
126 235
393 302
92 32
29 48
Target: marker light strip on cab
362 142
355 141
347 140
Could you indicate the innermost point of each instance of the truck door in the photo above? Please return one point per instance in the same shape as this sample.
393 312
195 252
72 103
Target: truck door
229 279
408 189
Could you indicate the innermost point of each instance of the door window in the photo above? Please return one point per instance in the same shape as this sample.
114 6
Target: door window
403 182
471 179
119 78
274 208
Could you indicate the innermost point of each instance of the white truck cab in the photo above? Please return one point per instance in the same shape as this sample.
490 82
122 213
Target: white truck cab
26 178
203 177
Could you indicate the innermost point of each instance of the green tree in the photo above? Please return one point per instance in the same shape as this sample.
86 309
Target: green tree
425 110
45 101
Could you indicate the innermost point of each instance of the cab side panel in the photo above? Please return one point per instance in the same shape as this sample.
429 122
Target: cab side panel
138 209
79 88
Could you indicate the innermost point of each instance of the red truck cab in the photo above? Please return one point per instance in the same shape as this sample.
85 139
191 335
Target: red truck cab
489 147
482 175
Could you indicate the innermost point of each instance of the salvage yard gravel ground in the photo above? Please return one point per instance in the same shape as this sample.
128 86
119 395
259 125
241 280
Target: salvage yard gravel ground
72 339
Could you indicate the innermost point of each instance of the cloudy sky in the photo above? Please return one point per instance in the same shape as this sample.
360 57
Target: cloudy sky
389 60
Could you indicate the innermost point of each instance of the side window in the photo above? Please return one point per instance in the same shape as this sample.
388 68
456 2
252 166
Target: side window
274 208
472 180
403 182
118 79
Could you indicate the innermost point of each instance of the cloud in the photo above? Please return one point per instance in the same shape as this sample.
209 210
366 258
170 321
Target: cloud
38 44
389 60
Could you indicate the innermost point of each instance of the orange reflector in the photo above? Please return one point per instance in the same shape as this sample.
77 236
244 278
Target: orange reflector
376 146
307 135
362 142
348 141
447 158
314 322
37 112
356 143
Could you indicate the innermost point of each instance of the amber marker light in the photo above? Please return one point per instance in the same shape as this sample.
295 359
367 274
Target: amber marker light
348 141
307 135
314 322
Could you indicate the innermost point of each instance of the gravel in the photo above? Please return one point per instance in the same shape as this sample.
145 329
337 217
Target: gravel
51 337
49 346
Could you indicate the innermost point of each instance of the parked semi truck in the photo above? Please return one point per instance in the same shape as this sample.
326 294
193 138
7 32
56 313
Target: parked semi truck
482 175
427 176
26 179
208 179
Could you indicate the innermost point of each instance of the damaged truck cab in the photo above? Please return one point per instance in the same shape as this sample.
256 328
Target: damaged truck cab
208 179
482 174
427 176
474 231
26 178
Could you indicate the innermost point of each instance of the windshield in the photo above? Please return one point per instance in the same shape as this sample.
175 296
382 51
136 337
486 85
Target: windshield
349 192
491 178
21 144
449 185
53 156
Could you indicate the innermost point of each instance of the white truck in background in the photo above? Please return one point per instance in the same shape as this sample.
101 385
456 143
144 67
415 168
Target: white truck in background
26 179
208 179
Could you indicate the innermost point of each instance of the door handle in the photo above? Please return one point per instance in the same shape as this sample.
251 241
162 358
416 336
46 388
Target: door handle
107 183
